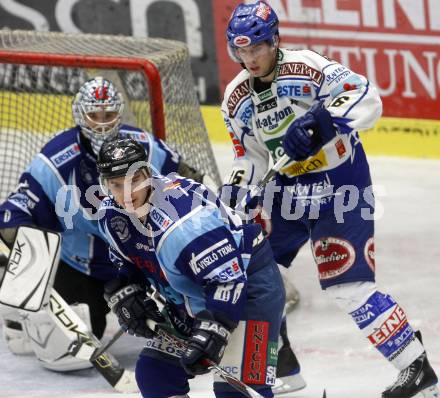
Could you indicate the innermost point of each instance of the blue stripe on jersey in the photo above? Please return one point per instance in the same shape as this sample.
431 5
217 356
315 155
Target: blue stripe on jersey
182 232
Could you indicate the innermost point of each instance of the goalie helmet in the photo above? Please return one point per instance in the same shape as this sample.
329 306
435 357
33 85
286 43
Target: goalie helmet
97 108
116 157
251 24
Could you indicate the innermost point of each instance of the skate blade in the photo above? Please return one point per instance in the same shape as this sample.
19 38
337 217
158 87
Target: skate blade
430 392
286 384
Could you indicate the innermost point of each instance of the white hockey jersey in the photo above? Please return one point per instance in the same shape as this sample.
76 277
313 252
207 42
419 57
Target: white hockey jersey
257 122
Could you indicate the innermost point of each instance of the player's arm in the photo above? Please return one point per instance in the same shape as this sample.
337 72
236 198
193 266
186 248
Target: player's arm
346 103
202 256
351 99
126 295
250 163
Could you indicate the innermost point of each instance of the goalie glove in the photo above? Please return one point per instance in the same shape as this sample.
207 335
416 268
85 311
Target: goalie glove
206 345
132 308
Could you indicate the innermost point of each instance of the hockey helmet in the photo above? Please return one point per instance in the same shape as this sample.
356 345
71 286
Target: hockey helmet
116 157
97 109
251 24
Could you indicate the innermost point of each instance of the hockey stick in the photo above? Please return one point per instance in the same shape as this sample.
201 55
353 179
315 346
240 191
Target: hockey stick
223 374
105 347
72 326
282 161
181 344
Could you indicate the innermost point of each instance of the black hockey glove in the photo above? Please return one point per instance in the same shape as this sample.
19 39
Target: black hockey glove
307 134
207 344
133 308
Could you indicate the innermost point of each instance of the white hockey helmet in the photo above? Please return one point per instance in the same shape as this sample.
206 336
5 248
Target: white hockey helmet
97 109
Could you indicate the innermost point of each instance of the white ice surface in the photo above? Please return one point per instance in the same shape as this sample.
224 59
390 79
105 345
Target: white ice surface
333 353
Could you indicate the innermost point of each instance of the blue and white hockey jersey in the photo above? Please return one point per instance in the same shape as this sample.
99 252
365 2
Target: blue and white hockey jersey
203 248
258 121
60 191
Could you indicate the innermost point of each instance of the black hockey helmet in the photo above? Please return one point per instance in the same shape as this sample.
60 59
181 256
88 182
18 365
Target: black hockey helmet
117 156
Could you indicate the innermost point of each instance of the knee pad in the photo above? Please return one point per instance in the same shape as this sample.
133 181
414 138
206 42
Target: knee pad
49 343
13 332
350 296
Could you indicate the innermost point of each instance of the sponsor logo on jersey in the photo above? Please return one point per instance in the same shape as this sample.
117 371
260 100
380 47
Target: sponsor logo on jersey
341 72
334 257
395 322
265 94
246 114
120 226
210 255
159 218
238 148
267 105
255 354
226 272
241 91
271 375
294 90
65 155
242 41
313 163
340 148
369 254
300 69
277 121
158 343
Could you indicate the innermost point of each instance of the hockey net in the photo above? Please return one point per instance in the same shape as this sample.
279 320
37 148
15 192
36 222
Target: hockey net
40 72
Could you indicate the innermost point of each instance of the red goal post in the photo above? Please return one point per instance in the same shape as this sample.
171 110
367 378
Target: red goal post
40 72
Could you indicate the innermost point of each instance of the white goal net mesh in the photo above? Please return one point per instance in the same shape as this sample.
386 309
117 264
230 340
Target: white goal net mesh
35 99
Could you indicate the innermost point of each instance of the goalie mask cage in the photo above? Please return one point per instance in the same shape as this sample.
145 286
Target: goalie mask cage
40 72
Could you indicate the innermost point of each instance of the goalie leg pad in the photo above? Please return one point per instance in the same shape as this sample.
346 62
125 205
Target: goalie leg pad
380 319
13 332
50 344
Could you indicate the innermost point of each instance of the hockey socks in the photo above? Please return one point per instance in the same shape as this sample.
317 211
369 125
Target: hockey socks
385 325
382 321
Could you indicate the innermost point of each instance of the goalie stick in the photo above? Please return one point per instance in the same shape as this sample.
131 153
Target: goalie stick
72 326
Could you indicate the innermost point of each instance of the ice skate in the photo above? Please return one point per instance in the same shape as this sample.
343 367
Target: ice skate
289 378
417 380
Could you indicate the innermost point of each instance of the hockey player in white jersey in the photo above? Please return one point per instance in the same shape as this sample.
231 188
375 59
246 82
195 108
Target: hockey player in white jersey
311 108
66 168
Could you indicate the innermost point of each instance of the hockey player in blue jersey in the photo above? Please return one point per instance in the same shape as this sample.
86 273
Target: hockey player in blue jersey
311 108
218 273
59 191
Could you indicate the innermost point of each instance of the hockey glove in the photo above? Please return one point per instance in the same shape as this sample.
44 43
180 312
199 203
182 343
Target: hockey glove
133 309
307 134
207 344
